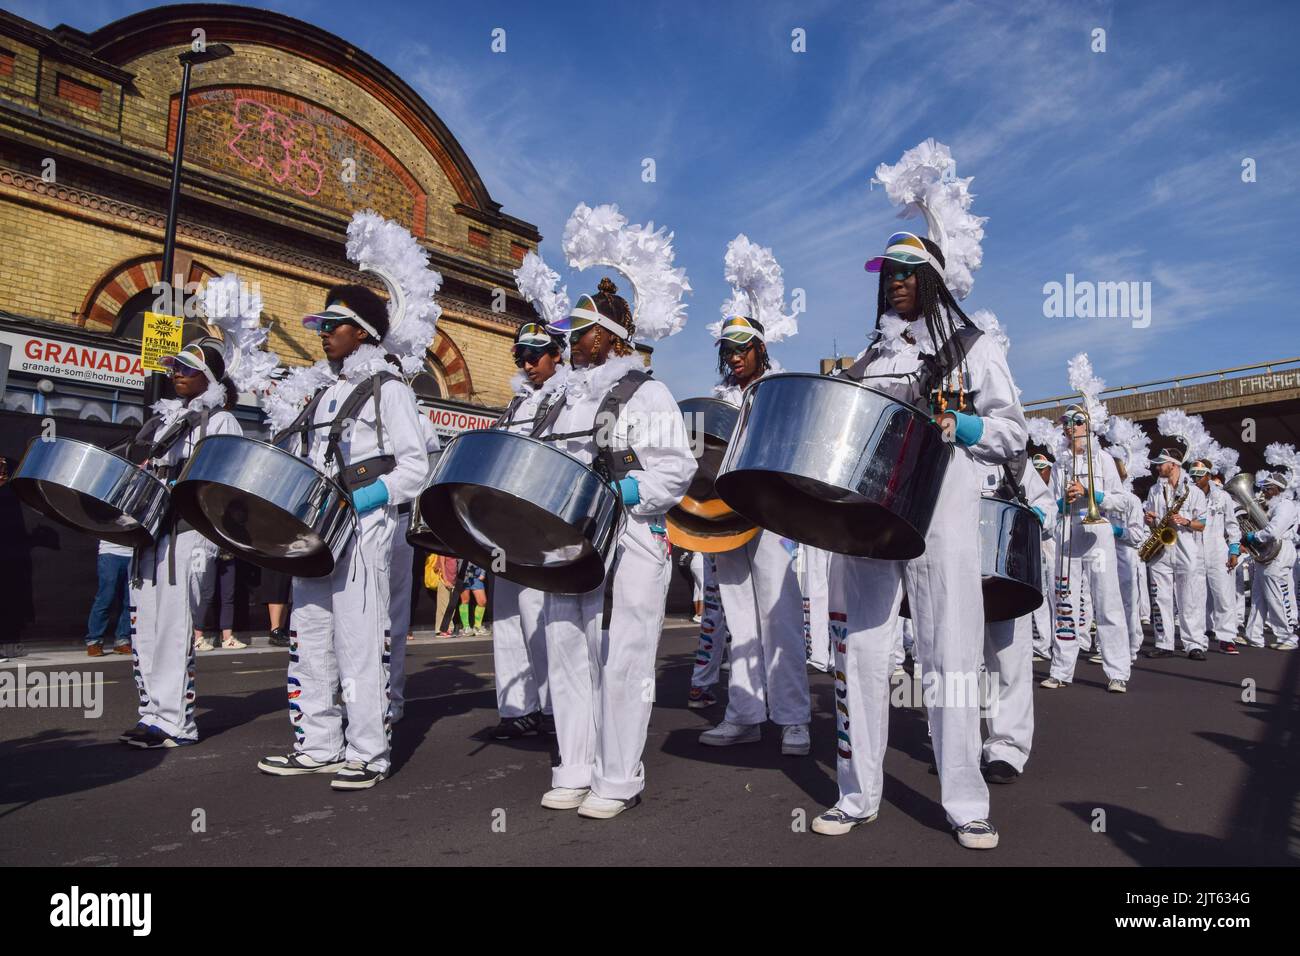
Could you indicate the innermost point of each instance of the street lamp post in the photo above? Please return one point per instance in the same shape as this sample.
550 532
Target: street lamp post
210 52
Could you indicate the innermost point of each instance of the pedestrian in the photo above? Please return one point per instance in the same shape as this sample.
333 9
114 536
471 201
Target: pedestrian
274 590
473 595
216 602
113 568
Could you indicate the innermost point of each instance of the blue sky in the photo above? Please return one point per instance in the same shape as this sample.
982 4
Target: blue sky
1117 166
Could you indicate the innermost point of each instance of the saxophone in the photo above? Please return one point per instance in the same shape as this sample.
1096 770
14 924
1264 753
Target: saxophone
1165 533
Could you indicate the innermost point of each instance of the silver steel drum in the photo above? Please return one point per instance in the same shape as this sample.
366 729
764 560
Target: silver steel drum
702 521
268 506
89 489
418 534
835 464
1011 555
523 509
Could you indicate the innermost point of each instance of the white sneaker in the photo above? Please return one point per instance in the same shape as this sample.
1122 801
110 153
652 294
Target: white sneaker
232 643
977 835
1094 658
795 741
1118 687
602 808
695 619
727 733
835 822
203 644
293 764
1053 684
564 798
899 673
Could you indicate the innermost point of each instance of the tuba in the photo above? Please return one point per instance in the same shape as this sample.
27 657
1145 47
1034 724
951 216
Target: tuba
1251 515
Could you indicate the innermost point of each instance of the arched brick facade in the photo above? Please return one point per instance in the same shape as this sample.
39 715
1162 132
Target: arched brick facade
119 284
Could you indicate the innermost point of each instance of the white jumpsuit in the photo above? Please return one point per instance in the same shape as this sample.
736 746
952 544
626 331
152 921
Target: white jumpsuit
816 565
339 626
1087 573
1271 583
714 635
518 625
1177 574
1042 616
1009 657
944 594
162 605
1133 531
603 682
1221 532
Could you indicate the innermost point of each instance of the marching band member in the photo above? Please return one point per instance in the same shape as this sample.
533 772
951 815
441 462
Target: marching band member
816 563
1129 447
1271 581
1177 574
1087 578
1221 549
1044 439
715 637
364 428
617 418
927 351
757 584
518 623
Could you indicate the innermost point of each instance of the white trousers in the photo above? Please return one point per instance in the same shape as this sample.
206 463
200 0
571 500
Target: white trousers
715 636
1130 590
817 633
1221 592
1041 617
1087 590
1144 591
1242 582
1272 596
519 649
1177 595
162 630
697 577
603 682
1009 713
945 597
400 561
764 614
338 634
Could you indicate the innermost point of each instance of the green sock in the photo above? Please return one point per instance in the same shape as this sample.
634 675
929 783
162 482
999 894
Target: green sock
478 615
464 617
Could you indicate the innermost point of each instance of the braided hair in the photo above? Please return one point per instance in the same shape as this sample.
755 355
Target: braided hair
935 304
764 361
613 306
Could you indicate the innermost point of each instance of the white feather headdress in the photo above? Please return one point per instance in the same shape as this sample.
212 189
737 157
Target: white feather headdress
1045 432
1084 381
537 283
1136 443
758 290
386 249
236 310
643 254
924 181
1225 461
1176 423
1282 455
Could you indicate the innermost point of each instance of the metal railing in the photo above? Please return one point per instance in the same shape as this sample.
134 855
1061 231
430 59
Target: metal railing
1121 390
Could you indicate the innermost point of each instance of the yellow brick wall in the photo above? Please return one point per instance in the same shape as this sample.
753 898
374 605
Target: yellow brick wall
20 86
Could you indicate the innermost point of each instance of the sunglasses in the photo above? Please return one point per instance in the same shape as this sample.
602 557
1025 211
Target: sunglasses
328 326
185 371
893 272
1075 419
729 349
529 354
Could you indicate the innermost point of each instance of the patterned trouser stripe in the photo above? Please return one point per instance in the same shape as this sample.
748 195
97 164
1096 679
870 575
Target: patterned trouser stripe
839 634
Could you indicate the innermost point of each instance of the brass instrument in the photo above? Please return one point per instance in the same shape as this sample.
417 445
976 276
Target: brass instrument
1094 515
1251 515
1165 533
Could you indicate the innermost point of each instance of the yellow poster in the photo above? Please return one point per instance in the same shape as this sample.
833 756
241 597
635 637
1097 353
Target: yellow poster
161 336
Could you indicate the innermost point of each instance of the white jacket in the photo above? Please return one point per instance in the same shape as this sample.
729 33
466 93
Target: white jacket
1160 498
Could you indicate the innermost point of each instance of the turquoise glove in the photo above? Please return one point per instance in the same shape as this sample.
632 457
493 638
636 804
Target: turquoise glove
1235 547
1060 505
1042 516
629 489
370 497
969 428
1099 495
1250 537
1119 532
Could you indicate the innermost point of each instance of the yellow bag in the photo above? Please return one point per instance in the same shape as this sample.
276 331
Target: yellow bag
432 576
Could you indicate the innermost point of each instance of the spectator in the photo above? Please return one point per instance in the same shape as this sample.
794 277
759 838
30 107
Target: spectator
275 589
445 607
218 601
114 569
473 584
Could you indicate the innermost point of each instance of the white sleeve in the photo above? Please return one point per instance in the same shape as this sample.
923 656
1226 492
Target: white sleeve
1281 522
1005 432
1107 481
1196 508
224 423
658 436
1231 527
1135 527
1038 494
404 439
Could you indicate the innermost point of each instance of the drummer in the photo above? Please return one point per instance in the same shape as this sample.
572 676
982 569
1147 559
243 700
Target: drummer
927 352
339 621
627 426
162 631
760 595
518 627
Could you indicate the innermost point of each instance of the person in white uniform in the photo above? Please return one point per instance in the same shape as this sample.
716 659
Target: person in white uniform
713 641
816 563
929 353
1129 447
163 574
760 595
1041 621
623 422
1272 585
365 430
1220 550
1177 574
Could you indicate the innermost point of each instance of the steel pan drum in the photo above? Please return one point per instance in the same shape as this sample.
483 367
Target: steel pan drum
89 489
702 521
835 464
418 534
270 507
499 498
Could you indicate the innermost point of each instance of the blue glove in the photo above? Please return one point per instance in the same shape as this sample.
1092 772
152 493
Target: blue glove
1060 505
370 497
969 428
1250 537
1042 516
1235 547
1119 532
629 488
1099 495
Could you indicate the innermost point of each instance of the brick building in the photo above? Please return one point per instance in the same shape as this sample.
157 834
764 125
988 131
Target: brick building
284 140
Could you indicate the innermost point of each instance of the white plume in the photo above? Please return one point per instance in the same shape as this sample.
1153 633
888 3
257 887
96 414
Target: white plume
236 310
1283 455
1045 432
1136 443
537 284
376 243
1084 381
1225 462
991 327
757 290
601 236
926 175
1176 423
283 403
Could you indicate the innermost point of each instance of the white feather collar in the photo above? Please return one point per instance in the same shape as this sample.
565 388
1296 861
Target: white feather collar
213 397
366 361
596 380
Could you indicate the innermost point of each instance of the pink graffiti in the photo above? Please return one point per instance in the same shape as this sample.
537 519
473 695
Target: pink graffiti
279 144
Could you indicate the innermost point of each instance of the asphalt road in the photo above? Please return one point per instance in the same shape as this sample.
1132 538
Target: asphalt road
1185 770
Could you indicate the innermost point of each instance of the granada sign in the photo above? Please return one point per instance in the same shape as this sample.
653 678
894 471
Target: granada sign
53 358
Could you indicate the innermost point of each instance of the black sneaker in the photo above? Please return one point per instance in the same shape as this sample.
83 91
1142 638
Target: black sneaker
1159 652
279 638
126 736
356 775
512 728
548 724
1196 654
155 739
999 771
293 764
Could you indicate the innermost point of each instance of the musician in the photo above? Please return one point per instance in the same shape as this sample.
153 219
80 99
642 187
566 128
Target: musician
1271 581
715 637
816 564
1177 574
518 623
365 429
760 595
163 633
1087 575
1041 618
927 352
1221 547
627 426
1129 527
